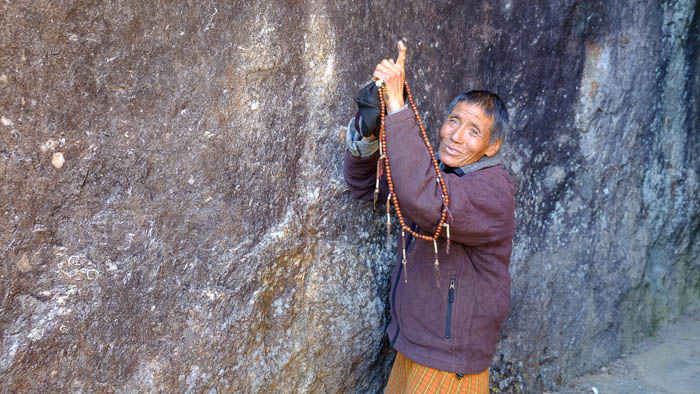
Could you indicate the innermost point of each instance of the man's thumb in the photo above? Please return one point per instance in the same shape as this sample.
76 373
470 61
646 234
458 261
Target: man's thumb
401 60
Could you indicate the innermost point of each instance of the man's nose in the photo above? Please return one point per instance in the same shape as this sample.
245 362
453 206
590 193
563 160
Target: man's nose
459 134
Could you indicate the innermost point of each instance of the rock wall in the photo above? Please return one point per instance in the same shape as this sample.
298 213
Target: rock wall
173 215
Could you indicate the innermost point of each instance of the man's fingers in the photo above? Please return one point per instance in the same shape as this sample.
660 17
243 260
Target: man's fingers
401 60
388 66
381 74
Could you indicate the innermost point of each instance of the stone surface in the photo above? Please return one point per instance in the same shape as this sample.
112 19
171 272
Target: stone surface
199 236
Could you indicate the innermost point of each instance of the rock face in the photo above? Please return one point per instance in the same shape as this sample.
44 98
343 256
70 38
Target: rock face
173 215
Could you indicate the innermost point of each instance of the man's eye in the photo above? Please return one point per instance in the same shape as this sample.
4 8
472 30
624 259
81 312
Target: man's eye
453 121
474 132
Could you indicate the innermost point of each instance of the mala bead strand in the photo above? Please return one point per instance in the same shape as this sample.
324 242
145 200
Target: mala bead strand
445 215
382 135
439 177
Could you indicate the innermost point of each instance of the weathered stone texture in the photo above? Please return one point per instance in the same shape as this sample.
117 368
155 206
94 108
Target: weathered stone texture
173 215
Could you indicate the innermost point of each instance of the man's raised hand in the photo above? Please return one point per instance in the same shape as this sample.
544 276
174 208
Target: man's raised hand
393 74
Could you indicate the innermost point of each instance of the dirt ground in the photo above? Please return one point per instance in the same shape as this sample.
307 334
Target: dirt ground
668 362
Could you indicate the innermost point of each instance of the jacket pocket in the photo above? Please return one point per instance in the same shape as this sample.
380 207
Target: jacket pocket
450 302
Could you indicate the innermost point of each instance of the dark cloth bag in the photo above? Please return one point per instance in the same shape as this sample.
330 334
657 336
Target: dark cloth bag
368 106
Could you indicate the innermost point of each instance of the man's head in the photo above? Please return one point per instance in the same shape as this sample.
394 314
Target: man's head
475 126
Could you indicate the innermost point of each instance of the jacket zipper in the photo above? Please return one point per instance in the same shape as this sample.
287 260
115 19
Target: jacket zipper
450 301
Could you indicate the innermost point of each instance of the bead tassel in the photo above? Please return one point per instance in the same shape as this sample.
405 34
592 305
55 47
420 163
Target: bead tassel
403 261
447 232
380 168
436 264
376 192
388 221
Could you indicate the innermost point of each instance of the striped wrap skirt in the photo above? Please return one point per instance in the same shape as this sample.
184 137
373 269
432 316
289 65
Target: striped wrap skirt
410 377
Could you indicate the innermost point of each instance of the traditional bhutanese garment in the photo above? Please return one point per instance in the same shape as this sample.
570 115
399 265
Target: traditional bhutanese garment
410 377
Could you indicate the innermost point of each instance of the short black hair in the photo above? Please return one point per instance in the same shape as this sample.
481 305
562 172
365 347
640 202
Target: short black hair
492 105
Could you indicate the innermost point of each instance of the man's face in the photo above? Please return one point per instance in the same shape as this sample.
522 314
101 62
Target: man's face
465 136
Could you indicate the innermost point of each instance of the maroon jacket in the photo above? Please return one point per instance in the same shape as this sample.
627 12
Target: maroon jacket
454 327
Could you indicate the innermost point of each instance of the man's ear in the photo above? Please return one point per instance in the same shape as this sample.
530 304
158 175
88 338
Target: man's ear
493 148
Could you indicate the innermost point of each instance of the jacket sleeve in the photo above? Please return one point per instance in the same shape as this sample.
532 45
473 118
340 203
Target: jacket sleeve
360 166
481 202
360 175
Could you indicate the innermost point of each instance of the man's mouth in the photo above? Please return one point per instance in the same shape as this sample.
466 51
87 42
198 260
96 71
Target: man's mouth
452 151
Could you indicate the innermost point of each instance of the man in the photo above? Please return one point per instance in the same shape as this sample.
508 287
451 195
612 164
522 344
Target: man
444 332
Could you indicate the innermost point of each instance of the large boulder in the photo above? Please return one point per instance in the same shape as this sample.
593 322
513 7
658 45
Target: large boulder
173 215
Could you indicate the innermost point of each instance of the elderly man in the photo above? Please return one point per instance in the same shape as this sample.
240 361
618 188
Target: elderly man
443 326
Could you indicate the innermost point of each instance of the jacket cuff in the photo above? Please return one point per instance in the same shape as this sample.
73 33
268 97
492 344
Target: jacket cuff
405 106
356 146
400 118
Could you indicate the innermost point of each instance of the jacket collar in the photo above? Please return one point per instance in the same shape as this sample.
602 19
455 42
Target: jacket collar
484 162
